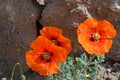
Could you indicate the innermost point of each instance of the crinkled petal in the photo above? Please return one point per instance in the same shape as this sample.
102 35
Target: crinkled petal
101 47
106 29
65 43
50 32
38 64
40 44
103 28
31 56
49 69
88 27
59 54
53 33
84 40
91 22
98 48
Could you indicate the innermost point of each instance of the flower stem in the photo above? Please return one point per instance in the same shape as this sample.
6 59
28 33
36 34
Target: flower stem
85 70
13 71
91 58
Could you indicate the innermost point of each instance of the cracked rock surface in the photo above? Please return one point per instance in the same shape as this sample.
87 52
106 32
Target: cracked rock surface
67 14
18 22
17 29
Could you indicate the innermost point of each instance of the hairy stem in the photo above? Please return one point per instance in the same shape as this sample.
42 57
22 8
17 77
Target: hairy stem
13 71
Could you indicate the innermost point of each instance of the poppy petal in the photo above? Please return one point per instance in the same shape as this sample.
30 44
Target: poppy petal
40 44
106 29
88 27
45 55
56 34
91 22
40 66
50 32
30 60
97 48
65 43
49 69
59 54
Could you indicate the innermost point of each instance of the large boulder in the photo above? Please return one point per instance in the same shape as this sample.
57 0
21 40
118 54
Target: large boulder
17 29
67 14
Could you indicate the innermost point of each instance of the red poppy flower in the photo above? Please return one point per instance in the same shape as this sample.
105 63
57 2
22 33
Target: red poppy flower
55 36
44 56
95 36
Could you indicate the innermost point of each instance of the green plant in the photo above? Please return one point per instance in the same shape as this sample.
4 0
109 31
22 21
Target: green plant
22 77
80 68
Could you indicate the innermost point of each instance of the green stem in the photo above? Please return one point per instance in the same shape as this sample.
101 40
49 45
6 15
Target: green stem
91 58
85 70
13 71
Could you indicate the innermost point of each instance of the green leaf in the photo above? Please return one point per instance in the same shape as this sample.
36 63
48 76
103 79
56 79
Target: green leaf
74 69
70 61
55 79
22 77
84 57
101 58
83 62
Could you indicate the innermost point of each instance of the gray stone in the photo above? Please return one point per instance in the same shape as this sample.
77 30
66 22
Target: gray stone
108 71
67 14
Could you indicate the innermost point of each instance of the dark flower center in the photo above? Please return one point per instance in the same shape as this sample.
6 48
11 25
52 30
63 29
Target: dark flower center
95 36
55 42
46 56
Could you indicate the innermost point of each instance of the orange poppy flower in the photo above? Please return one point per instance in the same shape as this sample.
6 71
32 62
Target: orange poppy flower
94 36
44 56
55 36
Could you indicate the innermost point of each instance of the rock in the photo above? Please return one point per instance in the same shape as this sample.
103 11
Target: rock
17 30
58 13
67 14
41 2
30 75
108 71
